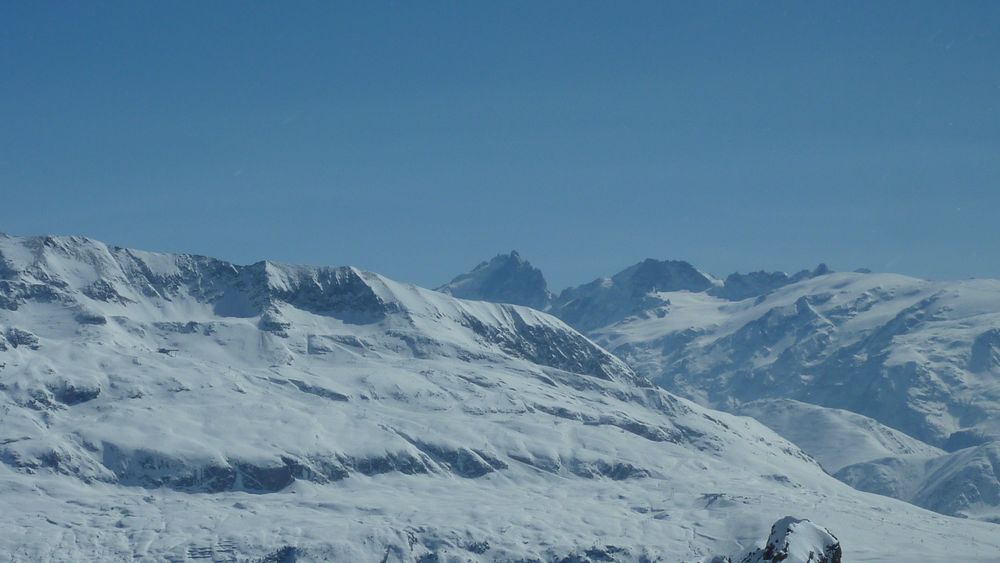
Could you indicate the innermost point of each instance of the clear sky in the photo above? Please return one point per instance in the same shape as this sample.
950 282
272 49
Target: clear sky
418 138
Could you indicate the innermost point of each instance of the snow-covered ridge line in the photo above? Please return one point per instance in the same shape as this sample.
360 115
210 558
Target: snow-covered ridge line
509 278
99 281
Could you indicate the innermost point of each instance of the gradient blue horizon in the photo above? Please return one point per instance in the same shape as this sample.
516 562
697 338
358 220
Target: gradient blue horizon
417 139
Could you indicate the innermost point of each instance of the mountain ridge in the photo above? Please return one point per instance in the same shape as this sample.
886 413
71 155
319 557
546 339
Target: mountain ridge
509 277
175 407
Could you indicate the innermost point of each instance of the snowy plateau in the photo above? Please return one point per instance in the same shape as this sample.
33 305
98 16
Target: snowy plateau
158 407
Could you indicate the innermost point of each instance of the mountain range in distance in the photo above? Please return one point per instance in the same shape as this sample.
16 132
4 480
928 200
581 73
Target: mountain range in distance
902 375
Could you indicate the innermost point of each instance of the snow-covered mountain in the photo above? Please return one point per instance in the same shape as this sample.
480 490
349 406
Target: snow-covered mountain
843 340
834 437
627 293
915 355
506 278
875 458
737 286
919 360
964 483
175 407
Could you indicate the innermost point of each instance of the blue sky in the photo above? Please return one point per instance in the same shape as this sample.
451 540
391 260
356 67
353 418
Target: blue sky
416 139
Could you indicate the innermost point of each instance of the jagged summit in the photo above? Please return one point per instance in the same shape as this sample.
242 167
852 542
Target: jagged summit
737 286
506 278
509 278
652 275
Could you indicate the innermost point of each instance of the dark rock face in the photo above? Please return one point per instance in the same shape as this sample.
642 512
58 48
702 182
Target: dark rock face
73 394
287 554
234 291
102 290
272 321
318 391
391 462
613 470
560 349
86 318
754 284
507 278
337 292
985 351
190 327
17 337
461 461
965 439
15 293
743 286
149 469
608 553
663 275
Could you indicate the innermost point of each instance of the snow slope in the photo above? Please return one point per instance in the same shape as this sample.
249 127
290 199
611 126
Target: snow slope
174 408
916 355
834 437
964 483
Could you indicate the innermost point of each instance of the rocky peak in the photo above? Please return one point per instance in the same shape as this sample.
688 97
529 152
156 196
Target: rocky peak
797 541
662 275
507 278
738 287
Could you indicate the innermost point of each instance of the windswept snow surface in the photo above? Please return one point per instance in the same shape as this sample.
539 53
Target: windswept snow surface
964 483
874 458
172 408
835 438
